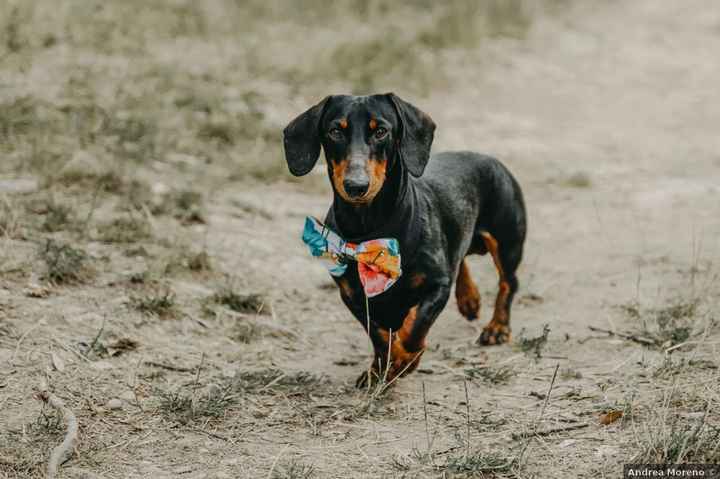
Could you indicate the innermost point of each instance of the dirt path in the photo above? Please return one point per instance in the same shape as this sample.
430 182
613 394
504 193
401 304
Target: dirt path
609 119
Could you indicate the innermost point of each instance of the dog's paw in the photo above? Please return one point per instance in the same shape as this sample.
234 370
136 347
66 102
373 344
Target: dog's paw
494 333
469 307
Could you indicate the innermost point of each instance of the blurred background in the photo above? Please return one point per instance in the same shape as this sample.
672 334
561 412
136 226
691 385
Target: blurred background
204 88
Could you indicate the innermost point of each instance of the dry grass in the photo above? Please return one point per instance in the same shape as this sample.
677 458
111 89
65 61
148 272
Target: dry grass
534 345
490 375
185 405
129 228
678 321
252 303
159 303
65 264
668 438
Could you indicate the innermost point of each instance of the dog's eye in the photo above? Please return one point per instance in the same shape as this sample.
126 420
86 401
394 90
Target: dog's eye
335 134
380 133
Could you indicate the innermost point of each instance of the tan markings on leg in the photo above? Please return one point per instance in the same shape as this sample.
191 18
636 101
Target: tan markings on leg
494 249
466 293
405 351
497 330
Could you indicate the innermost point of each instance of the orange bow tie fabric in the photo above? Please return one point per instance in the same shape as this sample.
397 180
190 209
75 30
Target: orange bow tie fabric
378 260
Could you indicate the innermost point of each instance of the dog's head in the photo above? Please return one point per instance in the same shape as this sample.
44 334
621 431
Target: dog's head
362 136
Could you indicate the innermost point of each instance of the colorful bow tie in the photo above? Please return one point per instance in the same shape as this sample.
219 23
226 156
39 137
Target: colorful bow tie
378 260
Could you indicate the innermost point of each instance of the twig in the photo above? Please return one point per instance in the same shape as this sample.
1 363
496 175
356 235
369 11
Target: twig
93 205
630 337
272 468
467 405
539 418
62 452
547 398
195 384
427 427
97 338
169 367
547 432
72 350
22 338
211 434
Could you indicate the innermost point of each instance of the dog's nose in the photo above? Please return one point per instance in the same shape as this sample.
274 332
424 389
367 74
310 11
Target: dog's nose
355 189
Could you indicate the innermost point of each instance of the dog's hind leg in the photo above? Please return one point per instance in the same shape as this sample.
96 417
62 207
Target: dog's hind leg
466 293
507 258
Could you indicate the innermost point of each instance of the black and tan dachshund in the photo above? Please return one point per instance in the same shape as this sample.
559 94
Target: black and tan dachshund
378 150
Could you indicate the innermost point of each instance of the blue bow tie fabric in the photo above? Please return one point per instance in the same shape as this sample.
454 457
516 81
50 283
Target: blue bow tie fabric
378 260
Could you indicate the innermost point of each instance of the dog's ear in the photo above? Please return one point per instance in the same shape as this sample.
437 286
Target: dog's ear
301 139
416 136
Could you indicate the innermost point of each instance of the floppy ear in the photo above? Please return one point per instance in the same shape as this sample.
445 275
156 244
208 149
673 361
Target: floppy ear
302 140
417 130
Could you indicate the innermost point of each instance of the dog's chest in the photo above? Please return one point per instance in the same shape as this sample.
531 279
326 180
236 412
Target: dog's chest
387 309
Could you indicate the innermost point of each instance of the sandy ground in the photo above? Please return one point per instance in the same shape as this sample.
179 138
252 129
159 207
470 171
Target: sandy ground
608 116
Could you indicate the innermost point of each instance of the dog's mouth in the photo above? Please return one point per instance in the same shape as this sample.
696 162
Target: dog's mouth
362 200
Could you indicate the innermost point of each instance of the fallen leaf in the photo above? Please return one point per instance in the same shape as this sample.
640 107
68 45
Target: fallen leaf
610 417
36 291
122 345
57 362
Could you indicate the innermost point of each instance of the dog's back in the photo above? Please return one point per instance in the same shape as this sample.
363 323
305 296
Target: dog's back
470 187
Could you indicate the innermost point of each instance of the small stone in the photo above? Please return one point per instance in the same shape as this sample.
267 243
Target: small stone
128 396
114 404
18 185
101 365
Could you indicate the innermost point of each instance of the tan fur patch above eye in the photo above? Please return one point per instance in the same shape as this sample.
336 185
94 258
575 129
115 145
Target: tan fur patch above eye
373 124
343 123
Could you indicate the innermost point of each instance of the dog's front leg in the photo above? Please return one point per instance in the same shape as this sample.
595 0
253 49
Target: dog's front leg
398 353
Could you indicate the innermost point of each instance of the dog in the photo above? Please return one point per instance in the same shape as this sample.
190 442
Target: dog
385 185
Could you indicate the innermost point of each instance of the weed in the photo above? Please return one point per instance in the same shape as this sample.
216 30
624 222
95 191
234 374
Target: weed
678 443
669 325
535 345
293 469
188 207
183 407
18 116
64 263
160 303
127 229
499 375
186 258
242 303
273 380
58 216
480 463
244 331
9 219
200 262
